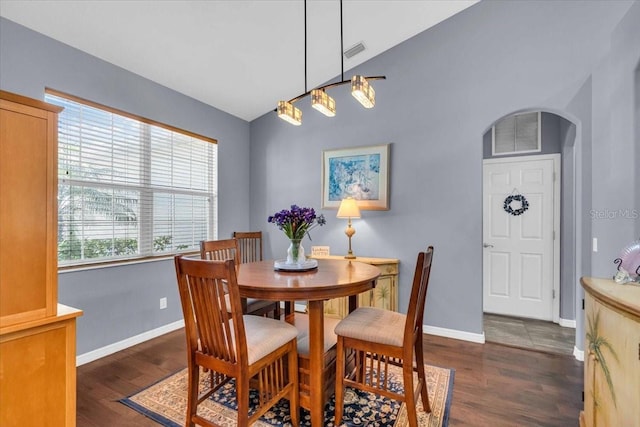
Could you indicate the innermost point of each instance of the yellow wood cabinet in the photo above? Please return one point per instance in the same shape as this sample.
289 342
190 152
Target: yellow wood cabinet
38 371
28 209
384 295
612 354
37 335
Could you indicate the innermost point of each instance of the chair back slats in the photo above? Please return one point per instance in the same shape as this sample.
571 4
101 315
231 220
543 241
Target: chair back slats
217 341
415 311
214 323
220 250
358 334
214 329
250 250
249 245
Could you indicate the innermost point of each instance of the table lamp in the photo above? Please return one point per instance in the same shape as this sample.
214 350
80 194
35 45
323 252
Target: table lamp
349 209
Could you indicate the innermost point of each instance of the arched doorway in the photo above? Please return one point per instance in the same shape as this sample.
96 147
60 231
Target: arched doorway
557 137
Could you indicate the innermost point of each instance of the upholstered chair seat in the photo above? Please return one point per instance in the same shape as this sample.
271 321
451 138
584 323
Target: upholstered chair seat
265 336
226 344
374 338
374 325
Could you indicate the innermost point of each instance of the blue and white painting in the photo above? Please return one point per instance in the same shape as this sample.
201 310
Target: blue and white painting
356 176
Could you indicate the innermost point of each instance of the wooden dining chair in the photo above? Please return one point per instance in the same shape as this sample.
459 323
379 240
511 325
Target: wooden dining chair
250 250
371 336
220 250
231 345
249 245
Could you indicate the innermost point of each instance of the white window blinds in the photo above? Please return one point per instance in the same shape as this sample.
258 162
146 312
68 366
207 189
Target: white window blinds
128 188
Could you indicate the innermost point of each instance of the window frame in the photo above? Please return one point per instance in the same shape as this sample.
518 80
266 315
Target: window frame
145 228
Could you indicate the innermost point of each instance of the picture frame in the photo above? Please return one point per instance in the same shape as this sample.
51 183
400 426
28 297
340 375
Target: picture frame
358 172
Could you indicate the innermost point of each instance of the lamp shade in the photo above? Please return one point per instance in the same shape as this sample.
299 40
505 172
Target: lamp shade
348 208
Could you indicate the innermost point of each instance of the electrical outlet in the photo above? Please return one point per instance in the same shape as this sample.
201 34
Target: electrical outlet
163 303
595 244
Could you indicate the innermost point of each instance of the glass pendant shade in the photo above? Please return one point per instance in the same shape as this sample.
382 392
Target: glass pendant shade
289 113
360 88
323 102
363 92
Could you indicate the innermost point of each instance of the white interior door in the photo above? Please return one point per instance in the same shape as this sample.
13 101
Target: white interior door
520 272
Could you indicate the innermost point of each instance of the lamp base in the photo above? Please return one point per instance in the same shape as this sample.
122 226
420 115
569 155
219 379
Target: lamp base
350 256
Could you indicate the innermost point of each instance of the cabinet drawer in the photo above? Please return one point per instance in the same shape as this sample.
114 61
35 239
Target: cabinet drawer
388 269
384 295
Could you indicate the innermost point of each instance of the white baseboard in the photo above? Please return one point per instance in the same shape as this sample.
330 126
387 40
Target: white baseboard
566 323
121 345
146 336
454 333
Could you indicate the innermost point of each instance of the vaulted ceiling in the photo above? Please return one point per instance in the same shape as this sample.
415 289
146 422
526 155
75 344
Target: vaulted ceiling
238 56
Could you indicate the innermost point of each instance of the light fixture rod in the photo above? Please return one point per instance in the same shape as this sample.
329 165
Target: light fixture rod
341 46
305 45
366 99
343 82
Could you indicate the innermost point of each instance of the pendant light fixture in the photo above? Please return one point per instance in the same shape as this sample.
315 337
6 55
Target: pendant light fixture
320 100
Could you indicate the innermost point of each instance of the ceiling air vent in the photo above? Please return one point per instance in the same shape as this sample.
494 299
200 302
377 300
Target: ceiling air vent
354 50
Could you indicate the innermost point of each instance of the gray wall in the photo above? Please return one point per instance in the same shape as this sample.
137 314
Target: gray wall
121 302
614 145
637 147
567 221
613 152
445 87
581 106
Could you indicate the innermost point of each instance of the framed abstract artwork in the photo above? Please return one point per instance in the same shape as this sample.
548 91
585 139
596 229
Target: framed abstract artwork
359 172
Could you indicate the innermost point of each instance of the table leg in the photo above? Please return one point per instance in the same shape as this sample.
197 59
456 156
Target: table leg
353 302
316 362
289 311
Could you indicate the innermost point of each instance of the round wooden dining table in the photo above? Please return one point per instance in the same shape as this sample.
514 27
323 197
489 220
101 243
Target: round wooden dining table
331 279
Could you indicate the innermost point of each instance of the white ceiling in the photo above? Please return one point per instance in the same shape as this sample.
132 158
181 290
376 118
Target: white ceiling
238 56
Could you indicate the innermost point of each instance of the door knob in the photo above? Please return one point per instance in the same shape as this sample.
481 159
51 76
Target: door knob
486 245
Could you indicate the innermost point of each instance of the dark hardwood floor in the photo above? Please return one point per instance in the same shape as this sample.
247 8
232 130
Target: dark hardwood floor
494 385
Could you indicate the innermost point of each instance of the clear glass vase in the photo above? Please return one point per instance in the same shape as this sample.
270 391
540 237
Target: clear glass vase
295 253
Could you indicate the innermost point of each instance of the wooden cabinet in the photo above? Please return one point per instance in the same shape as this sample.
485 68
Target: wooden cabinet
28 216
38 371
612 354
384 295
37 335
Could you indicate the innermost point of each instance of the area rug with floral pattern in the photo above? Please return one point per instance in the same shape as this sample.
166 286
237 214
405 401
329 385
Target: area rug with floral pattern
165 403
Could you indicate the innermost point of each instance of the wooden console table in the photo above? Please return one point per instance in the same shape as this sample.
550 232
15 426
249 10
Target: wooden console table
612 354
384 295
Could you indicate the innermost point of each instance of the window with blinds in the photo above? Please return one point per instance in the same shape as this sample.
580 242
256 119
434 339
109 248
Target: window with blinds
128 187
516 134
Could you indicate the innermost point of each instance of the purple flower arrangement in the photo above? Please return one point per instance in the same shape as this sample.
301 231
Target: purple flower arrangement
297 221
